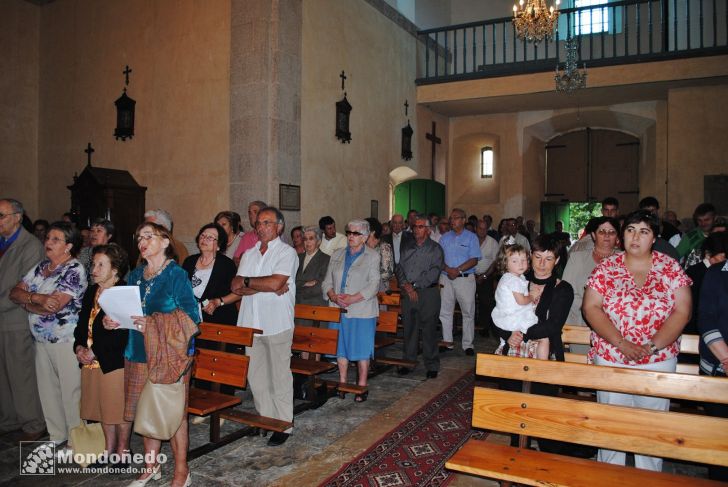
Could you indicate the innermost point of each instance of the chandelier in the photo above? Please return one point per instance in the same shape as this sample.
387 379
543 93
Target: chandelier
571 79
534 21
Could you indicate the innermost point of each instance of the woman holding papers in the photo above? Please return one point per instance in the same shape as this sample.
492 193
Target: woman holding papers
100 352
51 292
167 300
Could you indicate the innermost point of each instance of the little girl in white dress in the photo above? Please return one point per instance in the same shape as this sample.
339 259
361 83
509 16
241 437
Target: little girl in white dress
514 307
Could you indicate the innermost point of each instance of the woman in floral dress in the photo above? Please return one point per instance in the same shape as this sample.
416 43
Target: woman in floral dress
637 304
51 293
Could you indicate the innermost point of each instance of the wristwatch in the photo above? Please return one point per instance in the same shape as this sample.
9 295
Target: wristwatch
653 347
246 281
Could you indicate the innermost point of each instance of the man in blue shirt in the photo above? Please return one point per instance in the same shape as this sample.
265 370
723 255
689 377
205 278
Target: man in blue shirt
462 252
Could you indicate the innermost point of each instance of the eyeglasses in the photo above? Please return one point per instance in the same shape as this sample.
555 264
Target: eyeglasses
146 236
3 215
420 226
265 223
608 233
208 237
55 239
349 232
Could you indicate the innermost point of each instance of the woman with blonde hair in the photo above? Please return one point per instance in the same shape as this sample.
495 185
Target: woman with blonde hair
167 296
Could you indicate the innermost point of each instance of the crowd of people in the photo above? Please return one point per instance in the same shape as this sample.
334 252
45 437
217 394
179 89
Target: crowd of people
636 280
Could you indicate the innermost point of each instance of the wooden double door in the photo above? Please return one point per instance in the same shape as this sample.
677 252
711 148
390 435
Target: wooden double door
591 164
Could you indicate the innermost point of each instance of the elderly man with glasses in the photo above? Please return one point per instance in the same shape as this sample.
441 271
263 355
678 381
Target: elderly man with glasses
20 406
418 274
266 280
462 253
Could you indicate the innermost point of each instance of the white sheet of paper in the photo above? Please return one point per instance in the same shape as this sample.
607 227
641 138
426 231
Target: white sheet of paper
120 303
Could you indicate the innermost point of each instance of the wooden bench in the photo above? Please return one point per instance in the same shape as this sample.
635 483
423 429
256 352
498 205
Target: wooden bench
386 336
317 314
391 300
581 335
317 342
681 436
219 367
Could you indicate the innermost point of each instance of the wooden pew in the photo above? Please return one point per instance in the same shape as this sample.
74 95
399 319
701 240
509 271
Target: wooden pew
581 335
317 314
391 300
318 341
219 367
387 331
681 436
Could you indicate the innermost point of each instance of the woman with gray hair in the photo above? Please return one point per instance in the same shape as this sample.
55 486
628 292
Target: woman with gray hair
52 293
352 282
312 265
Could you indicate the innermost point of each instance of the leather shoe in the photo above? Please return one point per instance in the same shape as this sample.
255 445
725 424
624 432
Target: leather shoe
277 438
469 352
33 436
432 374
403 370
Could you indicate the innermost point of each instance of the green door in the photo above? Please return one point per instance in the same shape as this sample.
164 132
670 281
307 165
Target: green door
551 212
423 195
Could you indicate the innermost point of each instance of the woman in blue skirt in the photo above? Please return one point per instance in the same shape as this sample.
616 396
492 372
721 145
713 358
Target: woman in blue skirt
352 282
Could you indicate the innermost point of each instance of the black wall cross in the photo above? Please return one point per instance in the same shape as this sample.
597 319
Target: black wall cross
343 79
435 140
89 150
127 72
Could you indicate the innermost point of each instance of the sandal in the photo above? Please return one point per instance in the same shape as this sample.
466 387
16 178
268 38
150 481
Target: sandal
361 397
342 394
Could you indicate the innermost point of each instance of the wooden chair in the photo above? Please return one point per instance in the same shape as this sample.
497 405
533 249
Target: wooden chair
219 367
676 435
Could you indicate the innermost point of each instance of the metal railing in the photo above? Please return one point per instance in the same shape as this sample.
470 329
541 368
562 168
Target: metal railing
612 33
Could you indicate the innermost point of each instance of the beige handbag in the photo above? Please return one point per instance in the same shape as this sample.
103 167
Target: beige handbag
160 410
89 440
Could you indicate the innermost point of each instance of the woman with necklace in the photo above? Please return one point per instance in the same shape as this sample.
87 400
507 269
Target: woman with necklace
51 293
165 289
100 352
211 273
637 304
605 235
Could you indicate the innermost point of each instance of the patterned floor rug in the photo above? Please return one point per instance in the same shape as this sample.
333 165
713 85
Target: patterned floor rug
414 453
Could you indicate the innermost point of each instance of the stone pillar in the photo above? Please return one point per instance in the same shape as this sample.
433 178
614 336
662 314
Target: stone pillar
265 105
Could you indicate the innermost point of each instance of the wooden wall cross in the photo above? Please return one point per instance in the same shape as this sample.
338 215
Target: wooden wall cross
343 79
89 150
435 140
406 107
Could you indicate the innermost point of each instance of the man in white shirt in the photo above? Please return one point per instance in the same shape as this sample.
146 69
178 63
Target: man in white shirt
512 236
443 226
398 235
331 240
484 277
266 280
